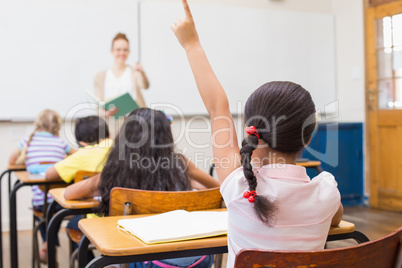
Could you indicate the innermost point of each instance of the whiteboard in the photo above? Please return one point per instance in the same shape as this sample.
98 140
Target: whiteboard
51 50
247 47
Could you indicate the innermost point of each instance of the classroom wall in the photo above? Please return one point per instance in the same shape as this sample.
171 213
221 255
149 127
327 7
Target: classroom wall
349 85
349 47
350 59
320 6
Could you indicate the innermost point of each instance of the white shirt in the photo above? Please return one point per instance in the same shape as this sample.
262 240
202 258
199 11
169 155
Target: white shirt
115 86
303 218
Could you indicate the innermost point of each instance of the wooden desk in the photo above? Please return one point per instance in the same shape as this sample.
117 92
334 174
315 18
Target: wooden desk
24 179
58 196
9 170
117 246
70 207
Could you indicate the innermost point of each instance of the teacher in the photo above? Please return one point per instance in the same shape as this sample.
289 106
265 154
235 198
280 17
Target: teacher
121 78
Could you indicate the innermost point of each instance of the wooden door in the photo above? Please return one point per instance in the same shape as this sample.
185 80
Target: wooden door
383 29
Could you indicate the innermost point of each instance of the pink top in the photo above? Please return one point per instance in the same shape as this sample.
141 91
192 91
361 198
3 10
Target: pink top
303 218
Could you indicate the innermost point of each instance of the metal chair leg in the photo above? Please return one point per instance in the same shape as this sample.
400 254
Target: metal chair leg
74 255
73 258
35 244
218 260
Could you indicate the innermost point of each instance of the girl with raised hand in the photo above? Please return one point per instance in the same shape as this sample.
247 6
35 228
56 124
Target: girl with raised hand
272 203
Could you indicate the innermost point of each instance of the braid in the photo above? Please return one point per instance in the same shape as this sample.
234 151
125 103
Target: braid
248 146
280 111
30 138
263 207
23 155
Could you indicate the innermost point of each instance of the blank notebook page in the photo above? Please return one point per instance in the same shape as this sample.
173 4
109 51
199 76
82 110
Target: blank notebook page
176 225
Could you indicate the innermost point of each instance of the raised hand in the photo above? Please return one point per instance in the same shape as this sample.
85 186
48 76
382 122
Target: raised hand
224 141
184 28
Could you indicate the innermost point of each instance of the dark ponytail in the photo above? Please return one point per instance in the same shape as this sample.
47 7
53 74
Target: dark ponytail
283 115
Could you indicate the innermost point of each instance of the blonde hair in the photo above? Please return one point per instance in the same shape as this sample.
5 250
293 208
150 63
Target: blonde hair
47 120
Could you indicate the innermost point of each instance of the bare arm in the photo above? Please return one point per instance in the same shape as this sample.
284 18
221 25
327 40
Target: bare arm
99 83
52 174
224 140
144 81
14 156
84 189
72 150
202 179
338 216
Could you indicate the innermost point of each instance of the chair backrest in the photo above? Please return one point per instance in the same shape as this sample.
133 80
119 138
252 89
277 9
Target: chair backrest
83 174
384 252
47 162
148 202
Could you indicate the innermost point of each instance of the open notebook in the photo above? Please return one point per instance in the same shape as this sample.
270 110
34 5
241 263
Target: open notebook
176 225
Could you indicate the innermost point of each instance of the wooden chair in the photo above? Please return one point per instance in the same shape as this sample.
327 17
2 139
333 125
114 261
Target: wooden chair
76 235
39 221
73 235
149 202
385 252
83 174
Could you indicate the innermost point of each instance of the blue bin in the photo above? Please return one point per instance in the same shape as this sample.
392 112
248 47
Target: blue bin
346 164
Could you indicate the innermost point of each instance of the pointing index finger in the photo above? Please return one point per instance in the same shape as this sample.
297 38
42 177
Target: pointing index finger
187 10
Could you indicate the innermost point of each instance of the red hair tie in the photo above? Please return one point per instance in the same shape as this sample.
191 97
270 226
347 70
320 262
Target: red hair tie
251 130
250 195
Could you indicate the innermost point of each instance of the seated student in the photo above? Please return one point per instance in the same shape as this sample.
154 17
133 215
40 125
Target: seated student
271 201
143 158
43 146
92 135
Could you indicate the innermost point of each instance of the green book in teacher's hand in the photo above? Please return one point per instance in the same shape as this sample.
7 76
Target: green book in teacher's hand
124 102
